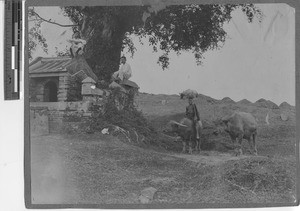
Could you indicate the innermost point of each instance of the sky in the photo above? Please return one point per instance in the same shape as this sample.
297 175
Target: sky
257 60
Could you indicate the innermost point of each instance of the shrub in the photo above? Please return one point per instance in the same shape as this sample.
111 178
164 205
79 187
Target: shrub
121 116
72 116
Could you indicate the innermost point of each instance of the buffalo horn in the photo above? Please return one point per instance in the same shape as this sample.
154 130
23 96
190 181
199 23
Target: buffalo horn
177 123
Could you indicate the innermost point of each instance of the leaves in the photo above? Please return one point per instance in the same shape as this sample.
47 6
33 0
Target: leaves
63 53
177 28
35 36
195 28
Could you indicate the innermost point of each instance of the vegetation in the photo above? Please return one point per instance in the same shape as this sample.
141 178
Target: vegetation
260 174
108 30
122 118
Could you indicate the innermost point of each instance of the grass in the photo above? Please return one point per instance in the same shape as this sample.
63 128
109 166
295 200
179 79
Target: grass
109 169
261 174
104 169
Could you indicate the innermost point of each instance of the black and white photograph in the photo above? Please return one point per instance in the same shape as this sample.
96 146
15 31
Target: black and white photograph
159 104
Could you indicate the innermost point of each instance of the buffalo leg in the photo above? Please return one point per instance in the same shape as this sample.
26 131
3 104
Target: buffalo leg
184 146
254 143
238 144
197 130
190 147
197 145
235 145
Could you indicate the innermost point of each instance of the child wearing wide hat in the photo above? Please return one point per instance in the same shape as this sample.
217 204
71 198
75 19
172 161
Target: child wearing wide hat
192 113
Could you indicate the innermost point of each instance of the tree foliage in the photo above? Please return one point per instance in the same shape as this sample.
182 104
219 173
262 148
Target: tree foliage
35 36
178 28
195 28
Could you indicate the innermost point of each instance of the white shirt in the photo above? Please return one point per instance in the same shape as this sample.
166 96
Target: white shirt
76 44
125 69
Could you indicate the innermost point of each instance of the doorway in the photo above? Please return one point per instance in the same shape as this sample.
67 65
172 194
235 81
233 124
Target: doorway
50 92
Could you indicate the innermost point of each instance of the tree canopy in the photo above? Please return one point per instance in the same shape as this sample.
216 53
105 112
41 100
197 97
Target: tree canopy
178 28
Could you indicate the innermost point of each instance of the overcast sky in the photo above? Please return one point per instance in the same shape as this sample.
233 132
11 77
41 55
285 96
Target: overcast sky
257 60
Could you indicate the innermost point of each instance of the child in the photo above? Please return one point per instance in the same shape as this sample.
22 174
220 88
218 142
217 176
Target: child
192 113
77 45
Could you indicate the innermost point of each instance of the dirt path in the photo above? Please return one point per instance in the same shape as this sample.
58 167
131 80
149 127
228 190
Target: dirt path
50 174
208 158
101 169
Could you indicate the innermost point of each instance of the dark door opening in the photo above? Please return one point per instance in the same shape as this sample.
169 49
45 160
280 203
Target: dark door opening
50 92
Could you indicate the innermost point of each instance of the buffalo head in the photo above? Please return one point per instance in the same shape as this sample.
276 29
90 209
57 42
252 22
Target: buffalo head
174 127
221 125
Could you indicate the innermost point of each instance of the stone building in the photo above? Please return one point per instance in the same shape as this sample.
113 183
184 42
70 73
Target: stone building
54 79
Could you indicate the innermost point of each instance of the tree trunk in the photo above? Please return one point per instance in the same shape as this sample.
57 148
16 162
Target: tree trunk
109 39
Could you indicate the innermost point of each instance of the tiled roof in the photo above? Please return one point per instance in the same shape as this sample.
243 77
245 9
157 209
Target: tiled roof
46 65
59 64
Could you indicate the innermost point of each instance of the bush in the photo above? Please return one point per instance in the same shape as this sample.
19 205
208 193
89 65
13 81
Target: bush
72 116
120 115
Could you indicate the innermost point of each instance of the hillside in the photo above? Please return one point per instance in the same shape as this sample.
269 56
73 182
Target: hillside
274 124
210 109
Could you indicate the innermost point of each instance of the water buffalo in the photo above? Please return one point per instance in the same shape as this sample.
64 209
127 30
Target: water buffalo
241 125
185 130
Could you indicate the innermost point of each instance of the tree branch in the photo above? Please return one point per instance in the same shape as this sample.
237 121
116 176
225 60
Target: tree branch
48 21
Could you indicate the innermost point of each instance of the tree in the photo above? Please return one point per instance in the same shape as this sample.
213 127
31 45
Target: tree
107 29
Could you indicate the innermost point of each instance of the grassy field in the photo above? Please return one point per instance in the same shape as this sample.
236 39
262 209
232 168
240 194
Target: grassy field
107 169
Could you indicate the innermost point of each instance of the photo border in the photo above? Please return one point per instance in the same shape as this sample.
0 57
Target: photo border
27 145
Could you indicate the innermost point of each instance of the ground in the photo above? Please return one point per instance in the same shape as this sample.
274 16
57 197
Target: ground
106 169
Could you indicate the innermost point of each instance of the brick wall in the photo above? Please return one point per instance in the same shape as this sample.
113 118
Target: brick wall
64 116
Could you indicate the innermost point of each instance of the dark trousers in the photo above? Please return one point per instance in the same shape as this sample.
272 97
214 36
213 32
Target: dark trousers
195 126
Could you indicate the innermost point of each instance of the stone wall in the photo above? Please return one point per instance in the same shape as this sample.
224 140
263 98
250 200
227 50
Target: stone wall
36 87
64 83
39 121
57 117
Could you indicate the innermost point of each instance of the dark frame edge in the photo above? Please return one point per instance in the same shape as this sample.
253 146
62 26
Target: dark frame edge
27 164
27 146
296 5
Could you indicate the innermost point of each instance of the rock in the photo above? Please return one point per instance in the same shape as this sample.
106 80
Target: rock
105 131
144 200
147 195
115 85
134 198
267 119
129 83
284 117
